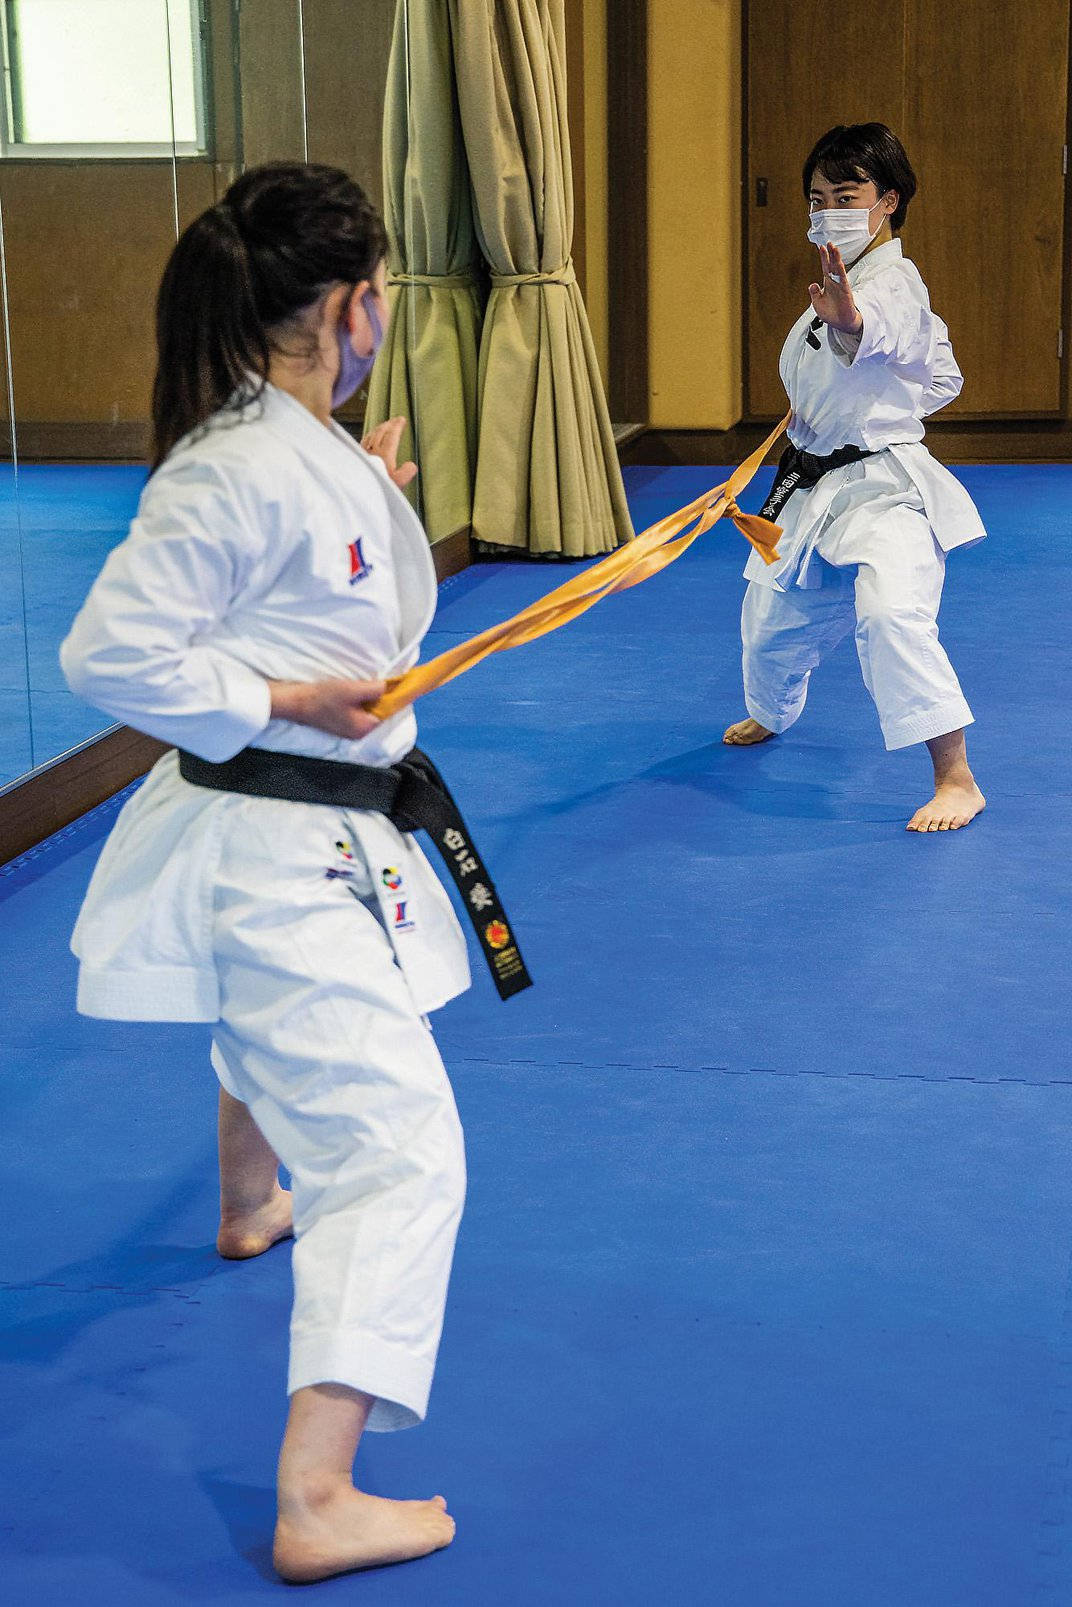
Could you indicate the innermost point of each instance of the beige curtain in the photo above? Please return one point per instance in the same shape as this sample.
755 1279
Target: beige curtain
427 370
547 475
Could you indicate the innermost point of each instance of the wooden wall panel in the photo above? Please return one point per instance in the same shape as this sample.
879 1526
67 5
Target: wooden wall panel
800 83
986 127
627 208
270 67
86 243
345 87
694 213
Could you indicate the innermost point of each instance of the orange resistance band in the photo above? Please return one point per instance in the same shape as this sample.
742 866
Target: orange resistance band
649 552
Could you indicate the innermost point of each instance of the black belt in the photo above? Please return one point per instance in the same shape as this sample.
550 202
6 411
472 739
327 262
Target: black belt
413 796
799 471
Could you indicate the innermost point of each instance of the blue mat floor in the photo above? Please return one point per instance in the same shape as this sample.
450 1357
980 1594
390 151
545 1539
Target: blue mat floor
762 1296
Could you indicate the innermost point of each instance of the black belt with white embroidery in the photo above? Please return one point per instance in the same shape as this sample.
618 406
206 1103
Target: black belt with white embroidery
799 471
412 794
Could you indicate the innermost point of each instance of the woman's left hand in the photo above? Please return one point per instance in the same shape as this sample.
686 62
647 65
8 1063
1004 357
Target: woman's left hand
383 443
832 301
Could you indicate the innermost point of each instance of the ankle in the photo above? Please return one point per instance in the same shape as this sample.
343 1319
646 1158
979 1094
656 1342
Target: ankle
235 1206
307 1493
955 775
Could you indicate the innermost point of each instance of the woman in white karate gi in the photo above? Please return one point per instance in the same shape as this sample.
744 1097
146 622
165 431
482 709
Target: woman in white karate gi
865 540
273 577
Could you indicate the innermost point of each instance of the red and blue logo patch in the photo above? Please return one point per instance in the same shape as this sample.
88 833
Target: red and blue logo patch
402 921
359 565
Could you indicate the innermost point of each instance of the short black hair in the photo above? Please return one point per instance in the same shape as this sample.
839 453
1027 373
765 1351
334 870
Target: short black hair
864 151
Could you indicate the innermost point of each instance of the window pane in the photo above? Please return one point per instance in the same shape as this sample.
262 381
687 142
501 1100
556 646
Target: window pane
94 72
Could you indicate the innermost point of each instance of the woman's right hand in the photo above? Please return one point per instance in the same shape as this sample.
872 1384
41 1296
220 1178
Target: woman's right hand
338 707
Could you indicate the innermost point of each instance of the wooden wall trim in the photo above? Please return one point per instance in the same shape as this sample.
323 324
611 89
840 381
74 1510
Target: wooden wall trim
954 441
46 441
58 793
627 207
42 441
451 554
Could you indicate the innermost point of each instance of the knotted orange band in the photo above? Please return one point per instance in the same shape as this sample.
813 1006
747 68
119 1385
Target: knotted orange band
654 549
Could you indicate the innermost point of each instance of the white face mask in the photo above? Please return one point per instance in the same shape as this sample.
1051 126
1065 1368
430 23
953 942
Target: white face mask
847 227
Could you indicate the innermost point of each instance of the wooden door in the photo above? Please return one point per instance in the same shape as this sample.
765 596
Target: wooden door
986 116
978 93
799 85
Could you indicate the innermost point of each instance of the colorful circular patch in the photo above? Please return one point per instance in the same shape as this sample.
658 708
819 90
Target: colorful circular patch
392 878
497 934
345 850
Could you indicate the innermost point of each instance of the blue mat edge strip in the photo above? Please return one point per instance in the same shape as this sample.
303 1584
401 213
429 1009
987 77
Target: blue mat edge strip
52 851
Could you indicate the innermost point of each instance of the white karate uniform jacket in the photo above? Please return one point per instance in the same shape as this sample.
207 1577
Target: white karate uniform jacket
874 396
266 546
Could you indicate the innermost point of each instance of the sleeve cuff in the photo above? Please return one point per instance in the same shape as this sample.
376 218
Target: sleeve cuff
846 348
248 709
877 338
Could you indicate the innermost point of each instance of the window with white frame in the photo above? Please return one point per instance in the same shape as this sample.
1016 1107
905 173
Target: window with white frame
100 78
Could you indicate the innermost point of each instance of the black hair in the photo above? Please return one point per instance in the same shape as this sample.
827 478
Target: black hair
865 151
283 235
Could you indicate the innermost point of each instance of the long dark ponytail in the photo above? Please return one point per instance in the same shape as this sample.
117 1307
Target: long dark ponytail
240 273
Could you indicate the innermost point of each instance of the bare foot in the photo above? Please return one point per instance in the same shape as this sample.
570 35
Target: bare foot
243 1235
344 1529
953 805
745 733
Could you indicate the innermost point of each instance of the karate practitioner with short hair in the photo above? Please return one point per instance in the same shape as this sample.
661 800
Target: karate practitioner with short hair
273 576
868 515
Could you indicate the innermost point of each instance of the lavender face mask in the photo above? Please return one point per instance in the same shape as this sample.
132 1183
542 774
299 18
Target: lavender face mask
354 370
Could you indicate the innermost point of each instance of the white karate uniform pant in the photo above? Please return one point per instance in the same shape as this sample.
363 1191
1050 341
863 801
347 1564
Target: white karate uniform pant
319 1036
875 566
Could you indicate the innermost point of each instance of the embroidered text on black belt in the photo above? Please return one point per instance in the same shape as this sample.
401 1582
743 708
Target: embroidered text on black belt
799 471
412 794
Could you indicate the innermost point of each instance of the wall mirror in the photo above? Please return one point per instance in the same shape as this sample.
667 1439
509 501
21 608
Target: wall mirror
120 121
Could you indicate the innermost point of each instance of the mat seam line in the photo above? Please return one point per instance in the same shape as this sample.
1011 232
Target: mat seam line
751 1071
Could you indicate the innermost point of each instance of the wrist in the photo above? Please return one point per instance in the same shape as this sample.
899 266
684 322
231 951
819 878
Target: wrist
290 701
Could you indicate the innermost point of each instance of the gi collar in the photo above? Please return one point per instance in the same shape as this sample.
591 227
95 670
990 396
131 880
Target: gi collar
874 261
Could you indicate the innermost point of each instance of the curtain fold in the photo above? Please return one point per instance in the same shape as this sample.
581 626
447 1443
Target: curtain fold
547 474
428 367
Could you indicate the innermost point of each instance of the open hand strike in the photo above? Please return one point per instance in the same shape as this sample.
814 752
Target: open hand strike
832 301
